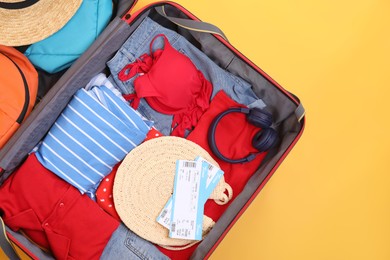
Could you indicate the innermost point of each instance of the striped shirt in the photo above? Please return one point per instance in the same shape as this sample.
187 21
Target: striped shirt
93 133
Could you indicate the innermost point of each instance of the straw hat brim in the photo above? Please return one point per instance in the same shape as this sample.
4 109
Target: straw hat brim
144 183
34 23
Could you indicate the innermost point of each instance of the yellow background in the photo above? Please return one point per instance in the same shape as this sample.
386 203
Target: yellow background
330 199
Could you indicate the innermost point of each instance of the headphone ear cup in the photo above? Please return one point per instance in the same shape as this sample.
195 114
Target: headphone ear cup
260 118
265 139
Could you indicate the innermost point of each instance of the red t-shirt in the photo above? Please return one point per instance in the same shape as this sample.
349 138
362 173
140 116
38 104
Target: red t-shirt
234 140
54 214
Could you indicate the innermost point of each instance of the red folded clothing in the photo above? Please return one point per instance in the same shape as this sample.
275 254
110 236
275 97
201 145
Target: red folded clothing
54 214
234 139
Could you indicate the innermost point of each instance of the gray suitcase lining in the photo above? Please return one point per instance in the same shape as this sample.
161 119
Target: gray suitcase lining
94 60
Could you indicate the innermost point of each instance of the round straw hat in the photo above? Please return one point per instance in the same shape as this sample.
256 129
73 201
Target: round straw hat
144 183
29 21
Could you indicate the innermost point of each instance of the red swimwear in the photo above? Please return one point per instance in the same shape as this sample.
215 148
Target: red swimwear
171 84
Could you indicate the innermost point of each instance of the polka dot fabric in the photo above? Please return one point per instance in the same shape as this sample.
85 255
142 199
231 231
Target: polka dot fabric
104 195
153 133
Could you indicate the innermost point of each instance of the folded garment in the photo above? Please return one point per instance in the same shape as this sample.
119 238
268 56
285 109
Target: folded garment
125 244
234 135
138 44
104 196
68 224
234 138
101 80
54 214
94 132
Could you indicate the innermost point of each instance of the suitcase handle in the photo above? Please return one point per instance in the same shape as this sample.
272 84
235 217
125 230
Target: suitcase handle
192 24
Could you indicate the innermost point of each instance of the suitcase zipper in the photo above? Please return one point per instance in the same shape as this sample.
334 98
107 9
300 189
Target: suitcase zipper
127 12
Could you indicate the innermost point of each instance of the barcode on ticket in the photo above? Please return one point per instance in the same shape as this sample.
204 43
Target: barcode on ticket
164 218
173 227
164 213
188 164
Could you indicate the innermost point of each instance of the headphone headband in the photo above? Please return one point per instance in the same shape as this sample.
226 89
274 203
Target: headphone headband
263 140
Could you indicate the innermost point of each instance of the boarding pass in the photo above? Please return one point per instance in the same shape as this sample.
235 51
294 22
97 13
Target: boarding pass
187 207
213 176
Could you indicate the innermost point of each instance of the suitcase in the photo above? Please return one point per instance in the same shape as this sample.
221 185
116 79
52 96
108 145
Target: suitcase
286 107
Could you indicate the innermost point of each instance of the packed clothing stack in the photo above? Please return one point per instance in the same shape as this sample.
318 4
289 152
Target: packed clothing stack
145 158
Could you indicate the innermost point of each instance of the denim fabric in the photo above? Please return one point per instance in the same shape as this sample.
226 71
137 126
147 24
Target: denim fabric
124 244
138 44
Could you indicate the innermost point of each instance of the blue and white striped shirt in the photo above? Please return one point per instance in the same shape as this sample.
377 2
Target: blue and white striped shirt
94 132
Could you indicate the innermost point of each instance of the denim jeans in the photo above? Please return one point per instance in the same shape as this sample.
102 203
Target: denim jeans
124 244
138 43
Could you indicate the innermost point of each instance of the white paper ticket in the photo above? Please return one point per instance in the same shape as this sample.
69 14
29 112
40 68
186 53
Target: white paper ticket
165 216
214 175
187 206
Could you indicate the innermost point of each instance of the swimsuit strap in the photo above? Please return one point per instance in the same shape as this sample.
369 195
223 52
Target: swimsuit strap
166 42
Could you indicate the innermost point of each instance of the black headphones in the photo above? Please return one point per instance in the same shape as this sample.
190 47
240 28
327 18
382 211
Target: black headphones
264 140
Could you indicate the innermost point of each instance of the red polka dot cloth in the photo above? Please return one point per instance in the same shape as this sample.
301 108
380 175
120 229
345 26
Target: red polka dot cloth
104 192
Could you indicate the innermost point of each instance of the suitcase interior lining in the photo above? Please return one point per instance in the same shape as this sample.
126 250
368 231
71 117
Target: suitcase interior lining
94 60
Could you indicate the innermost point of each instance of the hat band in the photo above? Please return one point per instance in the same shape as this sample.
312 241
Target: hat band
18 5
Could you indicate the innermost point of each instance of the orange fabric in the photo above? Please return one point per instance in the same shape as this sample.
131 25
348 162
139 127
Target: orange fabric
12 90
7 128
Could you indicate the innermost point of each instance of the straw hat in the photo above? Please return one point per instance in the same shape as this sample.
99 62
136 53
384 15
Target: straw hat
29 21
144 183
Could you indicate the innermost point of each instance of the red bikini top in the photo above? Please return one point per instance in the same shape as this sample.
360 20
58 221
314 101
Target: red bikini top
171 84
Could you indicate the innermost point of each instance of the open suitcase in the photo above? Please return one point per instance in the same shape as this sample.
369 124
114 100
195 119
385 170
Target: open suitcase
286 108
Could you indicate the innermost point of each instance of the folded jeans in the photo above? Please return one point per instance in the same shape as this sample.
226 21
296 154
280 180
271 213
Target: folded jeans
125 244
138 44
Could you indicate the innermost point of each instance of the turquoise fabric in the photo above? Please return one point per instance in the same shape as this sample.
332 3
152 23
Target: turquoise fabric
61 49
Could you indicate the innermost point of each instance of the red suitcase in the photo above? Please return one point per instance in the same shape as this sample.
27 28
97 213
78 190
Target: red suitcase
287 108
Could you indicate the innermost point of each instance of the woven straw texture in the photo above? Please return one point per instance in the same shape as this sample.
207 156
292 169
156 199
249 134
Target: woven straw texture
36 22
144 183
